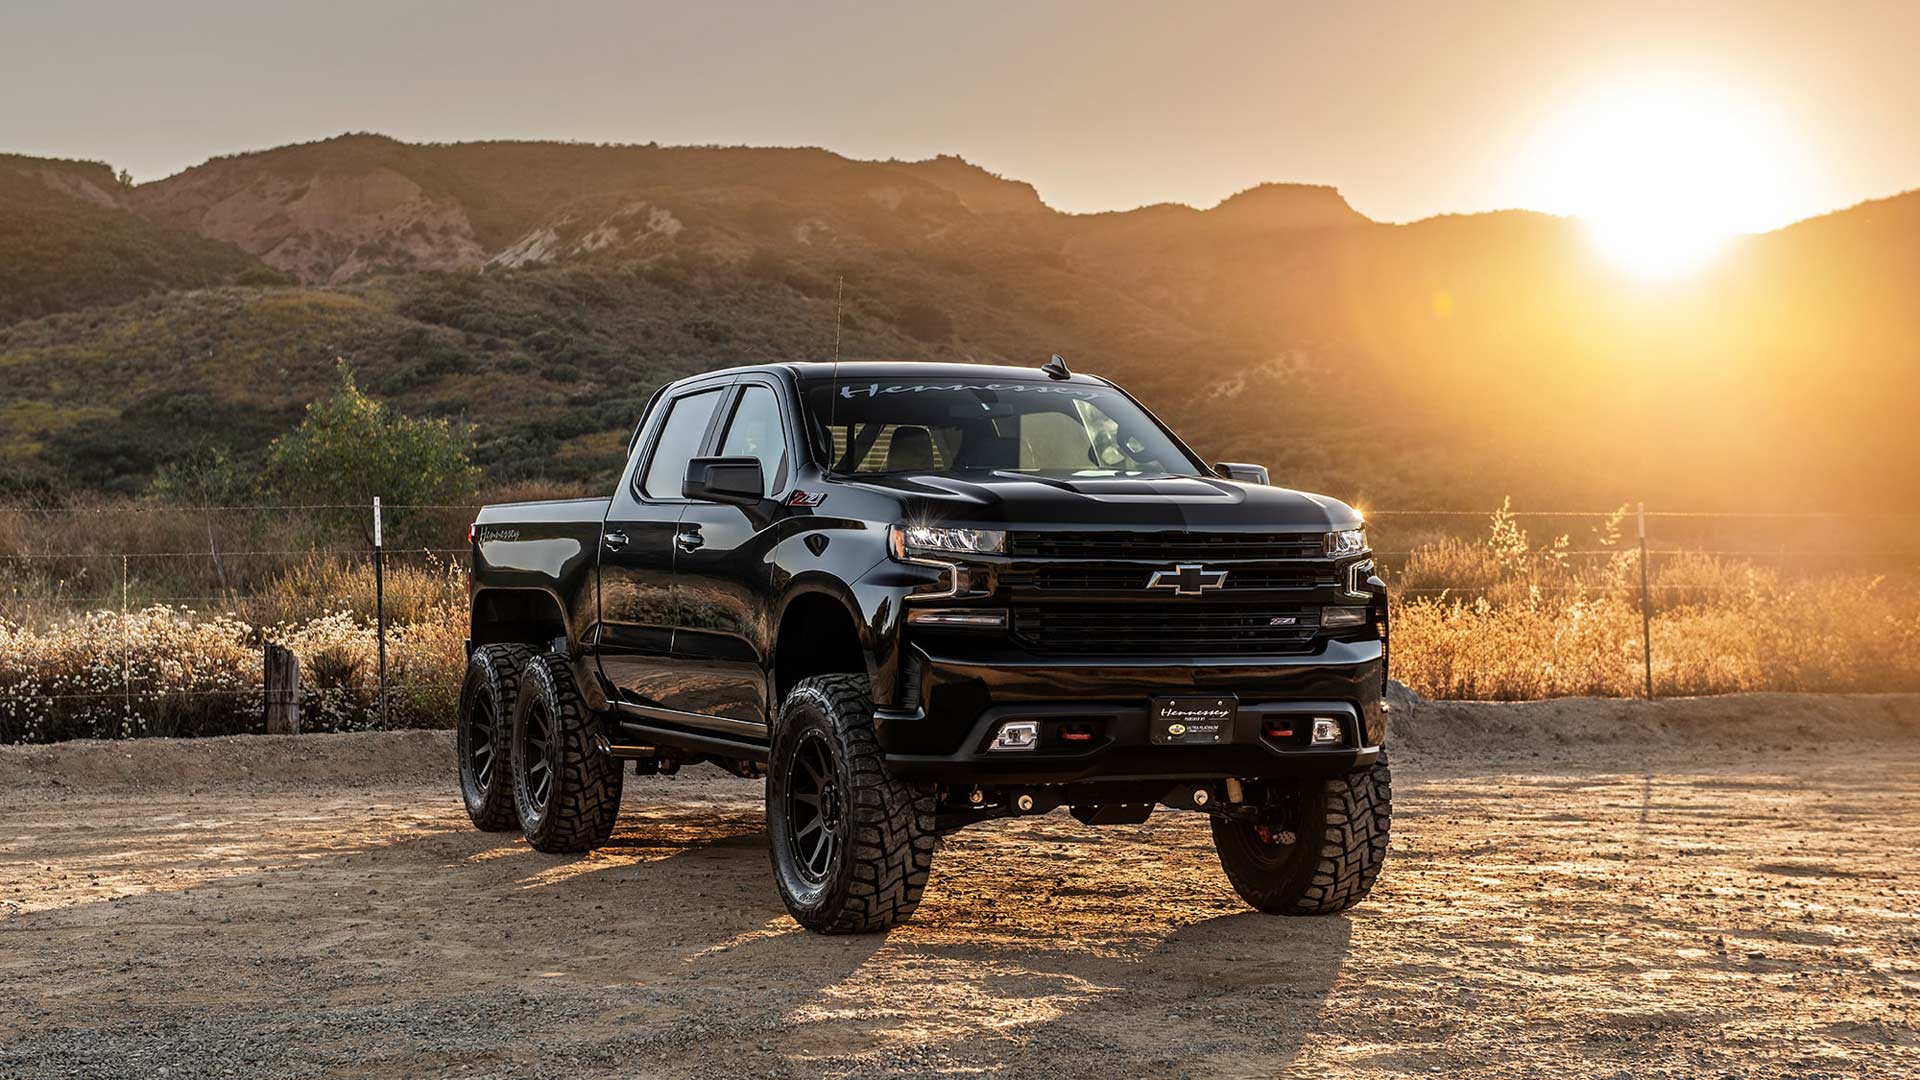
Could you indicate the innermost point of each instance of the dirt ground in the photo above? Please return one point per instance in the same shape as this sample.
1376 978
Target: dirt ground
1597 889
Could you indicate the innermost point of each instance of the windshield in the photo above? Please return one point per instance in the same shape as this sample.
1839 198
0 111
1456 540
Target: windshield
952 425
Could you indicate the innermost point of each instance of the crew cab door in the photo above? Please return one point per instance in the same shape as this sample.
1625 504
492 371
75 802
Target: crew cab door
725 569
638 601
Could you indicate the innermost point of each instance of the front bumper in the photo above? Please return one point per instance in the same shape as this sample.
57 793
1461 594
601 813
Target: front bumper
964 695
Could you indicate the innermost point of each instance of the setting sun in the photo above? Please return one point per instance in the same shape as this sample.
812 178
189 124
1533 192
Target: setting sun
1664 173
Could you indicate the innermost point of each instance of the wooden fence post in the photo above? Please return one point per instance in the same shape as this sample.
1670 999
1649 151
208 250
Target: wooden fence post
283 690
1646 606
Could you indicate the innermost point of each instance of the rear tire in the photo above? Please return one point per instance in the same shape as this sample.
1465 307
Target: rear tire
566 791
1339 827
483 731
851 845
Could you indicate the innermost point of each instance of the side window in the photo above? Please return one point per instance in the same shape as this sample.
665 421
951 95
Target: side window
755 431
678 441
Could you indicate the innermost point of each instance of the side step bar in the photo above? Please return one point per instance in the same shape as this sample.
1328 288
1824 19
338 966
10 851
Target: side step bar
638 740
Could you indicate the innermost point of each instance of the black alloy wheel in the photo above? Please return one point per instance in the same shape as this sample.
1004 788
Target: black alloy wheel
815 808
483 734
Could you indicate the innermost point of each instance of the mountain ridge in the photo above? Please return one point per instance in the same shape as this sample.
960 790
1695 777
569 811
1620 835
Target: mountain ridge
540 290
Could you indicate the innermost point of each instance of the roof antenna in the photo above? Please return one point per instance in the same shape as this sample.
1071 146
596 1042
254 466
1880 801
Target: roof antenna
1056 368
839 285
833 380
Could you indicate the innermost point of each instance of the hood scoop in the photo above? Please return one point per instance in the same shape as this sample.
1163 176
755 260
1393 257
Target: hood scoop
1121 488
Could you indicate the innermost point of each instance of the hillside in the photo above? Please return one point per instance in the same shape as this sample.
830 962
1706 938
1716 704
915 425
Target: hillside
69 240
543 290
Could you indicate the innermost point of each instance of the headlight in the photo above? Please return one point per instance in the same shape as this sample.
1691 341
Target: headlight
1346 542
1333 618
906 540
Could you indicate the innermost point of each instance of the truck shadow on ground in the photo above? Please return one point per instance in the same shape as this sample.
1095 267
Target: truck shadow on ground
434 947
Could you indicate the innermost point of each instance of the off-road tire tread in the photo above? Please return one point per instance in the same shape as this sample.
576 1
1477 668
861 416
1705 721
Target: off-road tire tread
498 667
1355 819
585 801
893 834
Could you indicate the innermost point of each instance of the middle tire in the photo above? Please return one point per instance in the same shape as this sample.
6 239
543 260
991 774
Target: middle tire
567 791
851 845
483 731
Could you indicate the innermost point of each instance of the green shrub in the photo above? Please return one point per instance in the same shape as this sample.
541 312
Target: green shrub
351 448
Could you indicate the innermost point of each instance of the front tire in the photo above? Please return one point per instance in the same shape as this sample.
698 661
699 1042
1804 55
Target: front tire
851 845
482 733
566 791
1322 851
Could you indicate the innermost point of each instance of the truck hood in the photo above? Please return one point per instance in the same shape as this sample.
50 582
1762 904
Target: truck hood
1169 502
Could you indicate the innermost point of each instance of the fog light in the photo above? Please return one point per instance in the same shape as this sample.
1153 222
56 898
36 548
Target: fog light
959 618
1335 617
1017 735
1326 732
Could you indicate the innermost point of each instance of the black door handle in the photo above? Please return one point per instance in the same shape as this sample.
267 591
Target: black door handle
614 540
689 539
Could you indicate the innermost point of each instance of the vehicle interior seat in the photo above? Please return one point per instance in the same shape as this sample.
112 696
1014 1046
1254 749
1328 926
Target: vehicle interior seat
911 449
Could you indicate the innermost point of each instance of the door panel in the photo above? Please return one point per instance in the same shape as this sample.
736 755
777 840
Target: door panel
722 637
724 571
638 602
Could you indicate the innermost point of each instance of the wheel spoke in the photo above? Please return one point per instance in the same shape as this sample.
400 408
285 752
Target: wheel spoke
813 807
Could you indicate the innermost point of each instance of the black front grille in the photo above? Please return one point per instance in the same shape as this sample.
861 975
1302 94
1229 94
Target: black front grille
1086 577
1168 544
1167 628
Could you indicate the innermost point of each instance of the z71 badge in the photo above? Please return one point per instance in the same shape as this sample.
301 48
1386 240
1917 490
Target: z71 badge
806 498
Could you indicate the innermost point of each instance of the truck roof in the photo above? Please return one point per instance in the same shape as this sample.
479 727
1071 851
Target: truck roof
901 369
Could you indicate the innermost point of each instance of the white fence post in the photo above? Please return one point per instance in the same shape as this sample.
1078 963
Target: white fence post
380 606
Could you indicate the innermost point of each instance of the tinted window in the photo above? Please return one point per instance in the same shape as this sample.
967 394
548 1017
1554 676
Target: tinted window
953 426
754 431
679 440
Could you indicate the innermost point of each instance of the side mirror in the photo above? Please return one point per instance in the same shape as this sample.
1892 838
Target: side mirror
735 480
1243 472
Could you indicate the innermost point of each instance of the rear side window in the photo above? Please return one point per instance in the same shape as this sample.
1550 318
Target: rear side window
679 440
755 431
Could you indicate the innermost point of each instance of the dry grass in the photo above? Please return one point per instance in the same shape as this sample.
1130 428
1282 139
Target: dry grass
172 670
1499 617
1504 619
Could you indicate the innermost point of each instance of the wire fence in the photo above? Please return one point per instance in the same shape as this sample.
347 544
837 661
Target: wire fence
138 618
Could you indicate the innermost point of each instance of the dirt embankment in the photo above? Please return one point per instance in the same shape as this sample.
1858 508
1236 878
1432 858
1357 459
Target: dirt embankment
1613 727
1724 888
1566 729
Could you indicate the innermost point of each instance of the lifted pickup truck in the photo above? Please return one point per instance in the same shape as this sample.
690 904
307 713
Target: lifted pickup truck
919 596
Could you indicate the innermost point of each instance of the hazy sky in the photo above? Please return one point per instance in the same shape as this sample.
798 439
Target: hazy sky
1410 109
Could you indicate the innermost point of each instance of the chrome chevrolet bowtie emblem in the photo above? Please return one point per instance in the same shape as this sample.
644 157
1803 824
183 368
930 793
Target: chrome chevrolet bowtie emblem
1187 579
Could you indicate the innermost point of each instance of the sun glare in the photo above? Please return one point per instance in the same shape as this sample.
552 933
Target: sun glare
1664 173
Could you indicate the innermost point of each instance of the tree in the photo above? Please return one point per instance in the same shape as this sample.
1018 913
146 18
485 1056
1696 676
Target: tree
208 476
351 448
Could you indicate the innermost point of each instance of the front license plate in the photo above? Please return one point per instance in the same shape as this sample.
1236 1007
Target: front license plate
1187 721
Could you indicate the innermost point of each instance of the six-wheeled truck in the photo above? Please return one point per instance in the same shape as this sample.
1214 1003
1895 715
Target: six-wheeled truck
916 597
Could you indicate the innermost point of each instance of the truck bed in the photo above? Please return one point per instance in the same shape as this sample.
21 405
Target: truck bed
549 547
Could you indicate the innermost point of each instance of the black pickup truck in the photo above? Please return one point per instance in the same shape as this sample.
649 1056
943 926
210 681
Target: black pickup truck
919 596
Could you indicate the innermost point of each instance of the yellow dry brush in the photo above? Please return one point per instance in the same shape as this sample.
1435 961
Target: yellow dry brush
1498 618
174 670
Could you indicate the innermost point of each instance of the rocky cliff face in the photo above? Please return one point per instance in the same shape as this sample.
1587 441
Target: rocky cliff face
341 209
90 182
322 228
